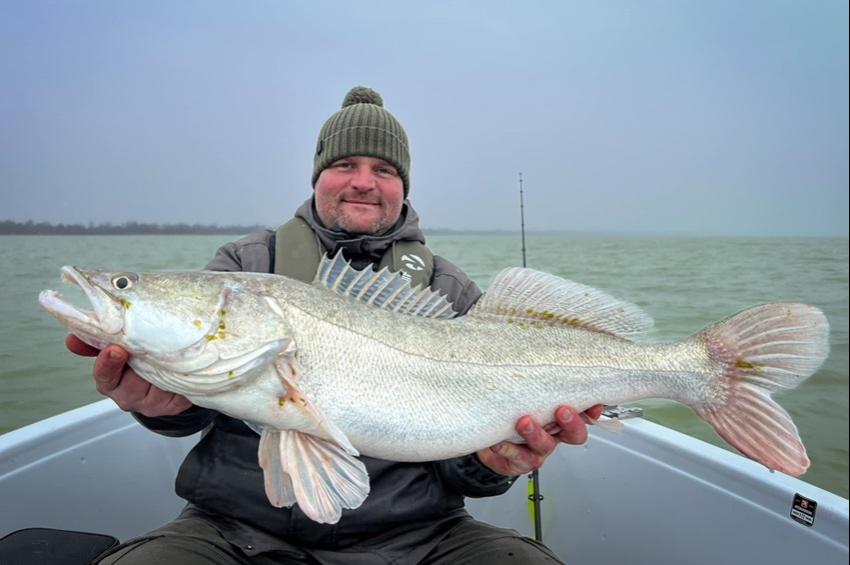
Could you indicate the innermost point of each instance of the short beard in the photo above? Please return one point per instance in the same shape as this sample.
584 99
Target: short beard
341 223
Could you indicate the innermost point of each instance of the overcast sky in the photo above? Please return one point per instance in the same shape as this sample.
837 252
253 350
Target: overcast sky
722 117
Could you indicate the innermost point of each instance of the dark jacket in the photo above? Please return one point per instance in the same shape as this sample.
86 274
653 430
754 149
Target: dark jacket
410 506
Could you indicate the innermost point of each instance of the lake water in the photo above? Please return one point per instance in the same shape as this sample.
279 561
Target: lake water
684 283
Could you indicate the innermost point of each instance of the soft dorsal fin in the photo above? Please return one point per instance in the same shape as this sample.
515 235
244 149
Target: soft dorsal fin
532 295
382 289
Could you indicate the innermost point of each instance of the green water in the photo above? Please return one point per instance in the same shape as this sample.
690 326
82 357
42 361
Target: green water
684 283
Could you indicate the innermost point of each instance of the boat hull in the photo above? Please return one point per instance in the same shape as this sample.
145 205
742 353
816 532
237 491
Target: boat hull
647 494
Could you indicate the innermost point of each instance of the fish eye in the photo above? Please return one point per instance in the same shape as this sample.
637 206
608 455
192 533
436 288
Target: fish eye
122 282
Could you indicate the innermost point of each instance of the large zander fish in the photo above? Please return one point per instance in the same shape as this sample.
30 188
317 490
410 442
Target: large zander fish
360 362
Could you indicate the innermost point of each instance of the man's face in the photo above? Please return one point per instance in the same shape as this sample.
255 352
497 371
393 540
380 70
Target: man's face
359 195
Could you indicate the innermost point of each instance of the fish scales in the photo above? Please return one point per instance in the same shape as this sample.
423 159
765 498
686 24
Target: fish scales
442 392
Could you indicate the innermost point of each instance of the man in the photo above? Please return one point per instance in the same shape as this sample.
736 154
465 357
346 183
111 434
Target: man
415 511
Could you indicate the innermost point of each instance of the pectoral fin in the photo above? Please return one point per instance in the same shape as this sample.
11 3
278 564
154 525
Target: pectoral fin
209 373
317 474
314 418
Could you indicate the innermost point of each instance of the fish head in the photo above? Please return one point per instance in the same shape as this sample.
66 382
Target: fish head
189 332
142 312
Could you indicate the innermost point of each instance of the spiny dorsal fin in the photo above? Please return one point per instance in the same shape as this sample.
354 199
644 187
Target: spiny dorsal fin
382 289
528 294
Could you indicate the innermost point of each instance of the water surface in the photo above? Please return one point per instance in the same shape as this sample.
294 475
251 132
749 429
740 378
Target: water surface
684 283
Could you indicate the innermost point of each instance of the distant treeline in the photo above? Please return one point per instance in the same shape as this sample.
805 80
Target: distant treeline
8 227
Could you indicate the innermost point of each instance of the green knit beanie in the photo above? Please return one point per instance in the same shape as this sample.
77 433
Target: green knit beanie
363 127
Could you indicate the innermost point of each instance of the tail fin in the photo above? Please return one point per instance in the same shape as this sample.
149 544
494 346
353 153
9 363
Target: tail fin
765 349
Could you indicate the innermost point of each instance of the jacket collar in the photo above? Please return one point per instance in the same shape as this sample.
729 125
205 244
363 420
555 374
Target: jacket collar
369 248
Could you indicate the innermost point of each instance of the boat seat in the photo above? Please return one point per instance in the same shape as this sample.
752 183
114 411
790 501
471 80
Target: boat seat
48 546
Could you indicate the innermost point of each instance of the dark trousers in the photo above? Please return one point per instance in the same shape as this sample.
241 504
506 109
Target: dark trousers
190 541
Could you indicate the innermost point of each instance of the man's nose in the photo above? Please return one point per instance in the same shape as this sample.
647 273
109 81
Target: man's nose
364 179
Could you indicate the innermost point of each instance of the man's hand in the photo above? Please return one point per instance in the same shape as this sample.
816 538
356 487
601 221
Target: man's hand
513 459
113 378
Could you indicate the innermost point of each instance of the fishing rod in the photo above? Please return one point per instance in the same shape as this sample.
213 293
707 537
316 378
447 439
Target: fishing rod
522 219
534 480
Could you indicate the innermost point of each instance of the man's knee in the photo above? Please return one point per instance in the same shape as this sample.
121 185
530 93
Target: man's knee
186 541
472 542
515 551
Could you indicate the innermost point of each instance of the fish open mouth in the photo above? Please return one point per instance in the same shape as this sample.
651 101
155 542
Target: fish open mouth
96 326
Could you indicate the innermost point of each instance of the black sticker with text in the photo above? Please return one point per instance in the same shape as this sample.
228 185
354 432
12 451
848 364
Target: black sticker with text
803 510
